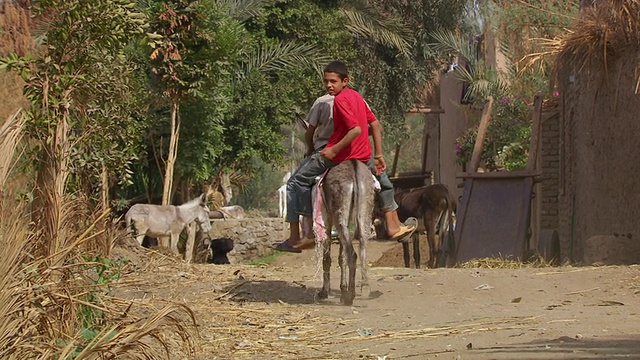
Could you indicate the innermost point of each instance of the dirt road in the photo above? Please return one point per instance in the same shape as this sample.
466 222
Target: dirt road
270 311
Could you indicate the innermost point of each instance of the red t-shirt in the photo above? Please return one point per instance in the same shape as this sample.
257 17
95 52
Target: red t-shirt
350 110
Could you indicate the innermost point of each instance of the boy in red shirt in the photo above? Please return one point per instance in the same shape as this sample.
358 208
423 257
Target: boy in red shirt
351 120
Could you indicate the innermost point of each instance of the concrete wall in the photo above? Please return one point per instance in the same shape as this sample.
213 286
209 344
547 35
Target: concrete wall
453 123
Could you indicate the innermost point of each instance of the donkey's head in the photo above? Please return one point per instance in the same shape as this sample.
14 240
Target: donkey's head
202 217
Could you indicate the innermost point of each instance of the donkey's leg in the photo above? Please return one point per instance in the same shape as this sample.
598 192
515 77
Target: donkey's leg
348 259
326 268
445 240
430 224
174 242
351 266
140 238
364 286
343 270
405 254
343 234
415 238
191 239
164 241
364 231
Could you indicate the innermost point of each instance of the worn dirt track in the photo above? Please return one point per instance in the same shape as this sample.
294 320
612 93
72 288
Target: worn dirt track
270 311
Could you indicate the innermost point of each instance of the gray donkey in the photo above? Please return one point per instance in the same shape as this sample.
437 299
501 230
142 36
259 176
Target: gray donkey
347 193
168 220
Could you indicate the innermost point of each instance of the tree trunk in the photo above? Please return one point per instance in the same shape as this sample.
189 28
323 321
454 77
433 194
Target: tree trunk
104 179
173 152
52 180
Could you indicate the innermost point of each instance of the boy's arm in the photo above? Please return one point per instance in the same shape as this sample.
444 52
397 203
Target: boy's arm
308 137
378 161
330 152
375 130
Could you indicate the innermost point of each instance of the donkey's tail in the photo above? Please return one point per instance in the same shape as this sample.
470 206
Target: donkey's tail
361 230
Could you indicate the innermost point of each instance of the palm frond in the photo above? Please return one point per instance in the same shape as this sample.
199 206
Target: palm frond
280 56
384 28
10 133
448 42
242 10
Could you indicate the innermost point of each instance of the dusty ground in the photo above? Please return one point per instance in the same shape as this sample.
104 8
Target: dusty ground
269 311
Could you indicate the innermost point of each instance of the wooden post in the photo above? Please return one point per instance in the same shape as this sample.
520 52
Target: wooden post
532 163
425 150
395 161
482 133
535 132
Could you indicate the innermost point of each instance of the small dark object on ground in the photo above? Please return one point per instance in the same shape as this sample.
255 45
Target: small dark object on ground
219 249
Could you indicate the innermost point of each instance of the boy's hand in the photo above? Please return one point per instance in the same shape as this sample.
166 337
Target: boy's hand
380 165
328 152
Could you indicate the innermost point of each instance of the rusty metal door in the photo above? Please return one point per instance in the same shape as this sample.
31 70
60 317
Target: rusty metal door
494 217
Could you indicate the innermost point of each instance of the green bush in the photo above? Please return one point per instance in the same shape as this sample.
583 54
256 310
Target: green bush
507 142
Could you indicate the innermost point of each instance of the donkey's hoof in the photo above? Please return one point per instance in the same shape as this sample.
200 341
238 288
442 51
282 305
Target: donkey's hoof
347 299
365 291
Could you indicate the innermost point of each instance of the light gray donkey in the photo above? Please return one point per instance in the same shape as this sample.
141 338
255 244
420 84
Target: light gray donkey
160 221
348 192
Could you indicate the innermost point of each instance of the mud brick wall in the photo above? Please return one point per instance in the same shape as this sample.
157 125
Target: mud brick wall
598 154
253 238
550 164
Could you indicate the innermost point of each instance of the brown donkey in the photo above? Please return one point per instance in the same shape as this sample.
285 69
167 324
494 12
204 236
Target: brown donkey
435 206
347 193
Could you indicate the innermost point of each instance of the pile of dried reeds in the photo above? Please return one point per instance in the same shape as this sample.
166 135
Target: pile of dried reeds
601 33
66 311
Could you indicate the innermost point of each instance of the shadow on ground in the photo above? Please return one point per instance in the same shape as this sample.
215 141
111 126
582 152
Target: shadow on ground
279 291
271 291
593 348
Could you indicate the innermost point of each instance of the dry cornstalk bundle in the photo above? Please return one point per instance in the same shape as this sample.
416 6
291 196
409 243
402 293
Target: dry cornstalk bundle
59 306
10 135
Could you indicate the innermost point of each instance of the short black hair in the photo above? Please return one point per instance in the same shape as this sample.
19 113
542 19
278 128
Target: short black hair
337 67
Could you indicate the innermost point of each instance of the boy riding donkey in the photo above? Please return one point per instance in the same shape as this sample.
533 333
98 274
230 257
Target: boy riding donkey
343 118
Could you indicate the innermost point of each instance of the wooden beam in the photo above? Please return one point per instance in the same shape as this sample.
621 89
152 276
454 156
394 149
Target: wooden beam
426 110
500 174
535 132
482 133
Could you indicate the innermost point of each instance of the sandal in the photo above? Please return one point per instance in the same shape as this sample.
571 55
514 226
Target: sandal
287 247
306 244
406 230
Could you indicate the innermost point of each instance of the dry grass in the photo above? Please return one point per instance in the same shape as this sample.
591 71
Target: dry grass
67 311
600 35
14 37
505 263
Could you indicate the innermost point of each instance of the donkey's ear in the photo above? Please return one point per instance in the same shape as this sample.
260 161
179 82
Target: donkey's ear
203 198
